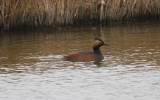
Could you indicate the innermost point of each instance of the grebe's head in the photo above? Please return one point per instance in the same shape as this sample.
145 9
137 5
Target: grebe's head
98 43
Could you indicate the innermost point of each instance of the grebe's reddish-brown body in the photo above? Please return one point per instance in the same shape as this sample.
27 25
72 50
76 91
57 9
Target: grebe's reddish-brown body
88 56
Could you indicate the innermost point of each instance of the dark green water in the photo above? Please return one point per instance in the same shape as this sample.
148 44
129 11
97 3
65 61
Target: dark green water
31 63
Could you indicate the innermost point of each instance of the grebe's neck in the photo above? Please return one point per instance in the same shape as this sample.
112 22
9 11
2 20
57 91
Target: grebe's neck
97 50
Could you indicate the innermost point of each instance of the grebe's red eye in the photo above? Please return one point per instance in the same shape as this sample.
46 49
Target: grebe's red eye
100 42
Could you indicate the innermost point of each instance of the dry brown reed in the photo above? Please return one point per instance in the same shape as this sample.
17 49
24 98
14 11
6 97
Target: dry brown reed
63 12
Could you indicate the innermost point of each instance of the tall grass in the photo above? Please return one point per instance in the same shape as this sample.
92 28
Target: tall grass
63 12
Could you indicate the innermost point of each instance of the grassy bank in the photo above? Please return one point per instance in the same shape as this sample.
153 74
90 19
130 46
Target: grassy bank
15 13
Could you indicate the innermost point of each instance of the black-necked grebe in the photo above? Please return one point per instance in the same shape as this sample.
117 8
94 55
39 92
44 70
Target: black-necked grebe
87 56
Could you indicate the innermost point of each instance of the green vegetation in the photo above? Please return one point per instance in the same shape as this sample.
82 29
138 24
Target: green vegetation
15 13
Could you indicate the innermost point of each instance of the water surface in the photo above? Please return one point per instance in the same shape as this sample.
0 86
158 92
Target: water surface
31 65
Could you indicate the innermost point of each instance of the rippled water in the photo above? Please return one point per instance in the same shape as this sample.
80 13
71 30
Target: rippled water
31 65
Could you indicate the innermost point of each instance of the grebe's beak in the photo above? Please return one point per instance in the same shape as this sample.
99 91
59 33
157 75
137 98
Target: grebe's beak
105 44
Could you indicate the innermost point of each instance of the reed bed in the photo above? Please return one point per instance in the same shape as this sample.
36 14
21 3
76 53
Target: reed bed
15 13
